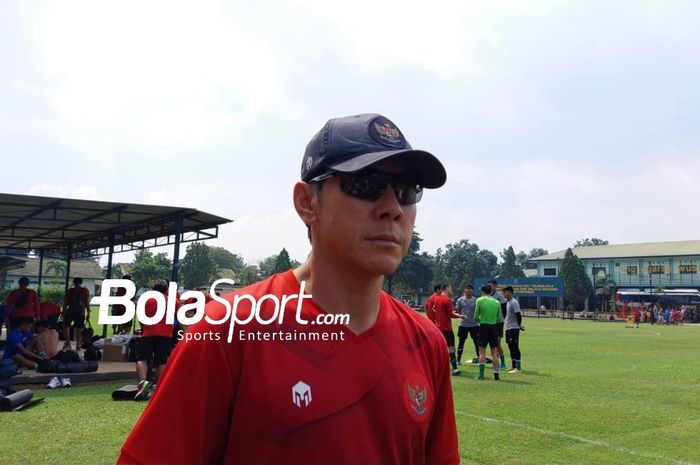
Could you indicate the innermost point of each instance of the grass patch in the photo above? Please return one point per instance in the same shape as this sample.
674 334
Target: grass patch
591 393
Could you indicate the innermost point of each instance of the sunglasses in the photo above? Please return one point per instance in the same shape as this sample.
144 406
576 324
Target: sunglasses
370 185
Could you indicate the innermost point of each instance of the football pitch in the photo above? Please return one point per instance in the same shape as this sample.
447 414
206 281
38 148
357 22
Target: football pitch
589 393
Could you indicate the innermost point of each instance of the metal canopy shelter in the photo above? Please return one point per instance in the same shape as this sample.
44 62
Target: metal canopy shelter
71 228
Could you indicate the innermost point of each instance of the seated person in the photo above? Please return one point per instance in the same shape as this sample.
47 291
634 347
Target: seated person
16 345
49 311
45 342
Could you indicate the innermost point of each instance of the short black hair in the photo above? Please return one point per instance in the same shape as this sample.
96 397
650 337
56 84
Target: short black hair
41 324
508 288
27 320
77 281
493 281
161 286
437 288
486 289
126 276
444 286
23 280
469 286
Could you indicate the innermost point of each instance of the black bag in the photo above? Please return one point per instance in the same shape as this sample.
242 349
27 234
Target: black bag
92 354
88 332
67 356
55 366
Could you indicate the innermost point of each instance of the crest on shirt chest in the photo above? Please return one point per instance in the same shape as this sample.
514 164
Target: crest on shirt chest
417 396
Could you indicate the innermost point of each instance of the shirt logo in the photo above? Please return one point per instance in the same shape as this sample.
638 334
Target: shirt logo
301 393
417 396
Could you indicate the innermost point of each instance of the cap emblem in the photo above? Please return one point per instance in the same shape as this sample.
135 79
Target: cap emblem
386 133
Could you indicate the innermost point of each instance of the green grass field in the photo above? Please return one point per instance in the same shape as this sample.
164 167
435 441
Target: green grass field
590 393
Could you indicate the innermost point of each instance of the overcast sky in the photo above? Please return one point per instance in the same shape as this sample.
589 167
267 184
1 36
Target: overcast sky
555 120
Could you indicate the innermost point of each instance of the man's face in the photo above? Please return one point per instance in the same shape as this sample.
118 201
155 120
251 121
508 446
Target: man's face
469 292
370 237
508 295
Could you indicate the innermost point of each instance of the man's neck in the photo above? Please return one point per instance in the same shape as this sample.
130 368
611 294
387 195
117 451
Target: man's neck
340 291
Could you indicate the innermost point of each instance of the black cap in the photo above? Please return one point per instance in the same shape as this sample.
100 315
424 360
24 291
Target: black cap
351 143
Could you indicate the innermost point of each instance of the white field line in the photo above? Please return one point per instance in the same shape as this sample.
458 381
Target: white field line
571 437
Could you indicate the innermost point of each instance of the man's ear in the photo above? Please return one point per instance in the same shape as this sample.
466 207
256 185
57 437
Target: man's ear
305 202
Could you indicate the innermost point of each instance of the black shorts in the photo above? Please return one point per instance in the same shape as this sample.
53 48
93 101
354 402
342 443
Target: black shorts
512 336
449 337
158 347
78 318
488 336
463 332
499 329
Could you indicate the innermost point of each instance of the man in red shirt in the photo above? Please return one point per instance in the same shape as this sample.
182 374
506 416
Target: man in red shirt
430 303
377 392
444 311
155 344
76 307
20 304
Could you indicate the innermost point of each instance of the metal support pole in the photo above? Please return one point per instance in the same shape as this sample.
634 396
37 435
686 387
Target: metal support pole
176 250
68 259
41 271
109 273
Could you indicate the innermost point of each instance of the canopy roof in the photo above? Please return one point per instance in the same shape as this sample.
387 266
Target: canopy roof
87 227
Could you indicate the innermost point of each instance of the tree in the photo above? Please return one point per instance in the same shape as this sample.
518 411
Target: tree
522 258
605 286
590 242
116 272
248 275
483 264
146 268
282 262
577 285
266 266
58 267
509 267
198 268
414 274
225 259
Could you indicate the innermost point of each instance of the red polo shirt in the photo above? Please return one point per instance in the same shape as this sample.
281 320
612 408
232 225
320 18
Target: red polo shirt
444 312
381 397
160 328
30 309
429 310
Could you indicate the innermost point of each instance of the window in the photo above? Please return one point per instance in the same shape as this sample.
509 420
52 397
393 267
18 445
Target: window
550 271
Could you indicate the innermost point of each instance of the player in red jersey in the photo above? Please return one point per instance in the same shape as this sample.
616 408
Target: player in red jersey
445 311
381 394
430 303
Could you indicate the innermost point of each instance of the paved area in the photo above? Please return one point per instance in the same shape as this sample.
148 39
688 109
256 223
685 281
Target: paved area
107 371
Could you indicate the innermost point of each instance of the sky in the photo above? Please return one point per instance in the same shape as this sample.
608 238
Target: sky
555 120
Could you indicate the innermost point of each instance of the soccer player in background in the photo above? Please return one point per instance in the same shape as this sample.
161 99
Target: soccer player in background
496 294
76 307
468 326
430 303
444 311
381 394
486 313
514 324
